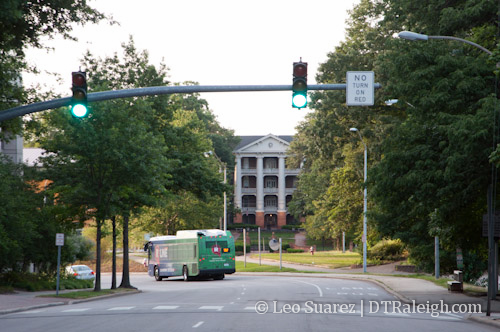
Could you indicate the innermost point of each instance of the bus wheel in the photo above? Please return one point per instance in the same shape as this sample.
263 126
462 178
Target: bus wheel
219 276
185 274
157 274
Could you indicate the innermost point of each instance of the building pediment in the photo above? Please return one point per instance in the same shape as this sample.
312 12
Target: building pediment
263 144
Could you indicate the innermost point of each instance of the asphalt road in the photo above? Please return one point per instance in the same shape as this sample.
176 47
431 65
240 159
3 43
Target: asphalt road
283 303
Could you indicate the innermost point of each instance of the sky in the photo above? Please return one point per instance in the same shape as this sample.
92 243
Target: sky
216 42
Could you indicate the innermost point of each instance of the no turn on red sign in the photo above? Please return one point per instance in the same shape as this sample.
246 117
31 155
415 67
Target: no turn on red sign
360 88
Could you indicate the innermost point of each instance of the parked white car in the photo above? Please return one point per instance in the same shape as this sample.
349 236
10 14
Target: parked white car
81 272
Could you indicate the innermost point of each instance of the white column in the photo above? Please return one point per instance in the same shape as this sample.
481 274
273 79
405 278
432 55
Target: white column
260 184
237 182
281 185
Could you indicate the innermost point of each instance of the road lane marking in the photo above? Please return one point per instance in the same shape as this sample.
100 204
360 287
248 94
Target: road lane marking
121 308
319 289
76 310
197 324
211 307
166 307
30 312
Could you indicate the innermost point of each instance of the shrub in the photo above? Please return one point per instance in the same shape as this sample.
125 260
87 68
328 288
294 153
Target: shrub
391 250
41 281
291 227
238 226
293 251
239 247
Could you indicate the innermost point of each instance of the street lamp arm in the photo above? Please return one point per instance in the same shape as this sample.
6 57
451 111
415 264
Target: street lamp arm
409 35
463 41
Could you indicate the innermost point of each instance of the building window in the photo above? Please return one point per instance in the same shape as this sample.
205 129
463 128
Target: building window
249 181
270 201
248 219
249 163
270 163
270 182
291 181
248 201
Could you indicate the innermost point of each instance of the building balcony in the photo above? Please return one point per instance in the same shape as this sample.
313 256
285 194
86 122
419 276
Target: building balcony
271 209
292 171
247 210
290 190
271 170
248 190
270 190
245 171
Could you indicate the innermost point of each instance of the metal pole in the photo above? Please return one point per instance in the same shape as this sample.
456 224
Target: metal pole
491 224
157 90
225 200
364 211
280 255
258 230
436 256
244 247
58 268
343 242
495 273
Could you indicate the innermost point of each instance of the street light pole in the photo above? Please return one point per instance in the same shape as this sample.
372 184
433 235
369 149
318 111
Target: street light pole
492 277
364 197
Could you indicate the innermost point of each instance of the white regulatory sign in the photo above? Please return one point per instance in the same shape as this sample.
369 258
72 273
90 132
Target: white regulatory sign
59 239
360 88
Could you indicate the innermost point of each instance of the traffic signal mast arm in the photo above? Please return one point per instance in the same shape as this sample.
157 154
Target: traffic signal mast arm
157 90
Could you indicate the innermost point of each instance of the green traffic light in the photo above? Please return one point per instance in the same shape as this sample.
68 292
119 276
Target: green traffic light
299 100
79 110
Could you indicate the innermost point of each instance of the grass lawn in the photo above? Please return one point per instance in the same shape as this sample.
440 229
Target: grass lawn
252 267
332 259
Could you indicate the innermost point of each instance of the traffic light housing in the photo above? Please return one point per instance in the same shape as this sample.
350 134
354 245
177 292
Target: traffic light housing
299 87
79 107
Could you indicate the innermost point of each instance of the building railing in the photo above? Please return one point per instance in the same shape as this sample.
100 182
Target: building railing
270 190
271 170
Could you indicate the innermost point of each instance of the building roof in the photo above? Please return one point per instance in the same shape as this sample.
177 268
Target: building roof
246 140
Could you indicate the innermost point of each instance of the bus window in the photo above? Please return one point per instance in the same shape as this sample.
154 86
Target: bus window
210 244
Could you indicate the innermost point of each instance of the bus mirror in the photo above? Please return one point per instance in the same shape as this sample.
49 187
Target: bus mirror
146 246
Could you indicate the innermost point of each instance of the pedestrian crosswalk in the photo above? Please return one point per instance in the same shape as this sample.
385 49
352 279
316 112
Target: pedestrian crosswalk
233 308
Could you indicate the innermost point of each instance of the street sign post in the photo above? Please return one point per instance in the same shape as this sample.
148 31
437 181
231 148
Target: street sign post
59 244
360 88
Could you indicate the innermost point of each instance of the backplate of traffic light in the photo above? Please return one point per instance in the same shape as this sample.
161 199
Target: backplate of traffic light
79 107
299 85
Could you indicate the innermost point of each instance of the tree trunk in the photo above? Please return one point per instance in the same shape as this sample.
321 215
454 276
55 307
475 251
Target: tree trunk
113 267
125 275
97 286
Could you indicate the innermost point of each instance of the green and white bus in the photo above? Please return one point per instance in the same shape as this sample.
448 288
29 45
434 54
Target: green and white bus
195 253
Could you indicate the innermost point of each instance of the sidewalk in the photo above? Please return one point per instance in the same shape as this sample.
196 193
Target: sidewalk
403 288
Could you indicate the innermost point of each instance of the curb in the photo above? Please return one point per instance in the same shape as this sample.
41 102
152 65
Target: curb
67 302
483 320
53 304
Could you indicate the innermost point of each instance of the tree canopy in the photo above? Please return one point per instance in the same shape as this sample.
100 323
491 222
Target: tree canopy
428 154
